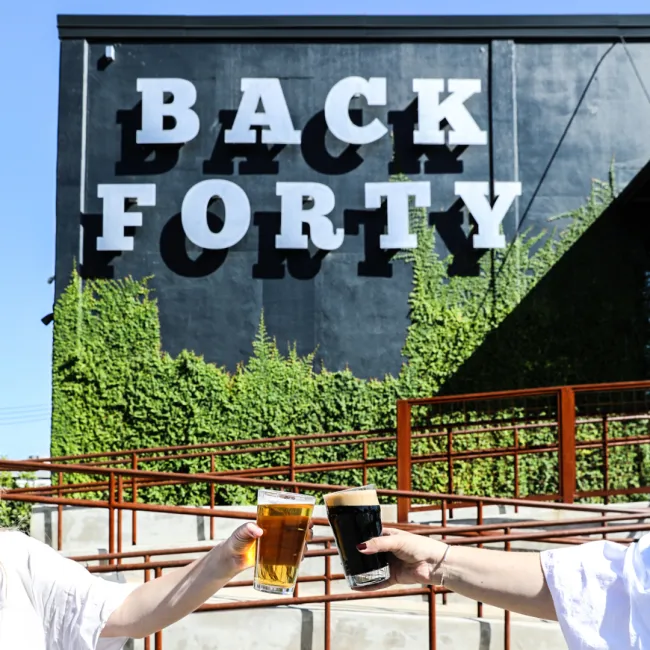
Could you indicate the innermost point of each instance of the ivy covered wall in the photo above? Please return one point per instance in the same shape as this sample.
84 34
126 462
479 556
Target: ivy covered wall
452 316
114 388
14 514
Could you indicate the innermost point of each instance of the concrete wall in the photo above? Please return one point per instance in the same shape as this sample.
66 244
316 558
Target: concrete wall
302 629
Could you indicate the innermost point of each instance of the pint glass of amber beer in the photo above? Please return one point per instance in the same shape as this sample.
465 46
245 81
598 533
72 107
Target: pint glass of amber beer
284 518
355 517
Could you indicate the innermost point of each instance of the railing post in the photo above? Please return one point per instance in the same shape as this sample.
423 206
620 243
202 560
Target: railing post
328 605
567 439
158 636
59 519
506 613
212 501
443 513
111 515
479 522
516 467
432 618
292 462
134 499
119 513
450 468
365 461
147 577
403 459
605 460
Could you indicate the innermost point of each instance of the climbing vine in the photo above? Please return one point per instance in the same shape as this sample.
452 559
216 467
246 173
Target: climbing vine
451 316
13 514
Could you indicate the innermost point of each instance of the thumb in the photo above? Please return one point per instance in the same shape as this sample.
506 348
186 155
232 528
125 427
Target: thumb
242 538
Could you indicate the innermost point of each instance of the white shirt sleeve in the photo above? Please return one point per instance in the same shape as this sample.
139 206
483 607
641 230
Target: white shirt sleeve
74 604
601 593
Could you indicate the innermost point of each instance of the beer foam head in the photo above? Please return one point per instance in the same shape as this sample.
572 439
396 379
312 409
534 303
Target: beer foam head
276 498
365 497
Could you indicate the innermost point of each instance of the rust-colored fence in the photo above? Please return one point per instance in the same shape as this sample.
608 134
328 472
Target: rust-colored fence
584 439
571 428
581 523
567 425
577 431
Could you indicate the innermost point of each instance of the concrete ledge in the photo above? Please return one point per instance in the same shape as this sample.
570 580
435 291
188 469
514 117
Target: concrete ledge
302 628
392 623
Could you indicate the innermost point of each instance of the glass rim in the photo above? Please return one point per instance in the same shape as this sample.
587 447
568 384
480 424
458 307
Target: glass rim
283 497
370 486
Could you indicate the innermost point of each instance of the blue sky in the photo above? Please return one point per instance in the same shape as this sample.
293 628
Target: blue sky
29 59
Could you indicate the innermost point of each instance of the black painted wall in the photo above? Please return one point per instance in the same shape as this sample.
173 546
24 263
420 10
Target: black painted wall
557 114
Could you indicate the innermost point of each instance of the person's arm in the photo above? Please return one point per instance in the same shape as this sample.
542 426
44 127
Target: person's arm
513 581
599 591
161 602
82 611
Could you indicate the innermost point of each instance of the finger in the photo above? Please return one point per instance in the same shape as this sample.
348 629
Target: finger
386 544
391 531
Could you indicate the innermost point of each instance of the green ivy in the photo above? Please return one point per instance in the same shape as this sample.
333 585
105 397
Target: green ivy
114 388
451 316
13 514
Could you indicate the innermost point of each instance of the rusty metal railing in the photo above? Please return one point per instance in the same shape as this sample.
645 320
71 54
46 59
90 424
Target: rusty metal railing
121 480
597 522
568 421
567 424
440 434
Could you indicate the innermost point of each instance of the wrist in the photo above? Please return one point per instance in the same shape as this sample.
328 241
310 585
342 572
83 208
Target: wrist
438 565
222 565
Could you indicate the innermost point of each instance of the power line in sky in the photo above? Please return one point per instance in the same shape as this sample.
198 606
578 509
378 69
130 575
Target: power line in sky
33 408
17 423
24 414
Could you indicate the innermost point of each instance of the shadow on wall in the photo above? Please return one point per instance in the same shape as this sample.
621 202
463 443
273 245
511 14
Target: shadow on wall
586 321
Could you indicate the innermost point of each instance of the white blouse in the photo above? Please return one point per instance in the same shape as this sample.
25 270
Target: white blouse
601 592
48 602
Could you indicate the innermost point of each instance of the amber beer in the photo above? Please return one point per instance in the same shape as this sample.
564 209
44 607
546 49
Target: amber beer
355 517
284 518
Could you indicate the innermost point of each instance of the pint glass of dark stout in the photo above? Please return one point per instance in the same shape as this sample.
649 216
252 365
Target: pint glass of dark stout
355 517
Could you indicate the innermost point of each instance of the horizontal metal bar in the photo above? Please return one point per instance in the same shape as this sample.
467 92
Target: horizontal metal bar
419 529
411 494
310 600
531 392
128 453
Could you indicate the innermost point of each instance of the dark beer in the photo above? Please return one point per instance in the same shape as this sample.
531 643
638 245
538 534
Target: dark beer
284 518
355 517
